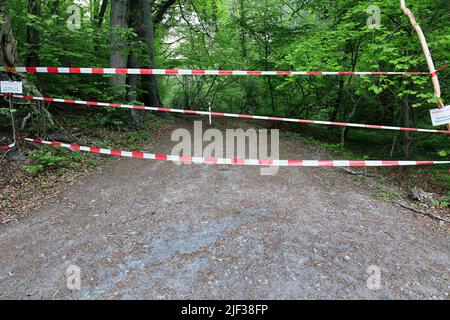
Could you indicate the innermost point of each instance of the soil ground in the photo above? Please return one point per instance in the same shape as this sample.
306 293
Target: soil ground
155 230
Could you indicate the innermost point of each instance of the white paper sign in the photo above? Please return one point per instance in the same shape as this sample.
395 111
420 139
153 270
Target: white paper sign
440 116
11 87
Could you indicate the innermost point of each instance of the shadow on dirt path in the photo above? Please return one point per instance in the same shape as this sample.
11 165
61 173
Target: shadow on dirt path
154 230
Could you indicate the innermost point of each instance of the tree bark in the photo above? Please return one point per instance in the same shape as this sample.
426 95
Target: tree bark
142 55
135 22
338 101
9 57
242 34
118 56
8 49
146 34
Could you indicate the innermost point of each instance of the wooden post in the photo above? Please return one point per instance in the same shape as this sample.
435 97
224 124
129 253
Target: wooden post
427 53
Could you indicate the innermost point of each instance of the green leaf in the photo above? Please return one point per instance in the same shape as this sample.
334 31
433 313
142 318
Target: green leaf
375 89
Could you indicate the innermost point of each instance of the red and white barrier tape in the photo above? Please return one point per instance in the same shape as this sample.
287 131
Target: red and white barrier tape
231 115
4 148
201 72
435 73
246 162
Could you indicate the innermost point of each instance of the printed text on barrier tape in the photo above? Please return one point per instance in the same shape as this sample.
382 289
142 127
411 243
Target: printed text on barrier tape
244 162
231 115
188 72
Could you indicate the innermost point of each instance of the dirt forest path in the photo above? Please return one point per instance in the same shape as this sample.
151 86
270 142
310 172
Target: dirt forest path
153 230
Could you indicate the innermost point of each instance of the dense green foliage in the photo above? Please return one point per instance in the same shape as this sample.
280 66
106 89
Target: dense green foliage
266 35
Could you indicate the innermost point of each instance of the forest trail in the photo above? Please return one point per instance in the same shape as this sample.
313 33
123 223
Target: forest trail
154 230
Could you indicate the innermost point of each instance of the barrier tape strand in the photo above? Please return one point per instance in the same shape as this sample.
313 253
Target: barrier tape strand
203 72
235 161
230 115
435 73
8 147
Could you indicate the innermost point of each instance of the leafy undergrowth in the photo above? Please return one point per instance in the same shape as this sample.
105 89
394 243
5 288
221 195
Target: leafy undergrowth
34 174
375 144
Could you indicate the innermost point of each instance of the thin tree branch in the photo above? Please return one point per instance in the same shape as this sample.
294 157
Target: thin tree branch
161 11
101 14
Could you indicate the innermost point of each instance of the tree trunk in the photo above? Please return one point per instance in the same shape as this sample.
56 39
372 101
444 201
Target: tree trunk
269 79
407 137
338 101
8 49
146 34
142 55
118 57
9 58
135 22
243 38
34 8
